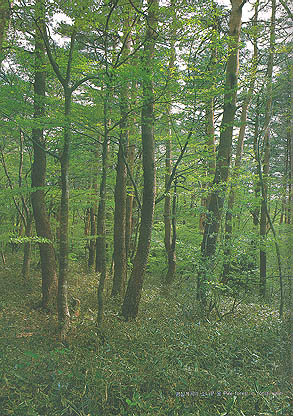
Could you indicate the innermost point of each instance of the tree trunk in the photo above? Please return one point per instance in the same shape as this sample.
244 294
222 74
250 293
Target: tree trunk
266 156
129 201
169 205
290 233
210 134
216 202
101 258
4 21
238 158
42 222
100 242
120 255
134 288
92 244
263 218
63 311
27 250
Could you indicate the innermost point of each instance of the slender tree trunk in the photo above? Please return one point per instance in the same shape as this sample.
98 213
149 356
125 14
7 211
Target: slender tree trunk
216 202
266 156
210 134
42 222
263 218
120 255
169 205
100 242
129 201
27 250
91 220
63 310
92 244
120 264
290 234
101 255
134 288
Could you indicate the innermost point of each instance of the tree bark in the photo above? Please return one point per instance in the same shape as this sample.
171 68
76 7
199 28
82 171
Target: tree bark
100 242
263 217
210 134
101 258
129 201
170 201
120 255
216 202
134 288
63 310
4 21
238 158
92 244
38 176
290 234
120 260
266 156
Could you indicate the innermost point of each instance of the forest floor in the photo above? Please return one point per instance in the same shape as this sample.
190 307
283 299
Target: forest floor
167 362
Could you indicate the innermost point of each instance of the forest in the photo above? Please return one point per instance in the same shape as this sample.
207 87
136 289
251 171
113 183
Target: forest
146 162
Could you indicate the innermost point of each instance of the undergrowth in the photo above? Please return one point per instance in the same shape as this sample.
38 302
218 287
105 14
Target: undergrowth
164 363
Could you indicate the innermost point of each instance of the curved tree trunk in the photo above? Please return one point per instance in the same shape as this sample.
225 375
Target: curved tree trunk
134 288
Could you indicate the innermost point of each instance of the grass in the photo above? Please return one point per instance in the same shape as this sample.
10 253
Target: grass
165 363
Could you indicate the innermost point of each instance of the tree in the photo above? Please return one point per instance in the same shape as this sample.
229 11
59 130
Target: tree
216 202
266 155
43 228
239 151
134 288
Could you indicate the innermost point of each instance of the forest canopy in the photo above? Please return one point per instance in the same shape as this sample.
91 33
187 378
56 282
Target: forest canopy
147 146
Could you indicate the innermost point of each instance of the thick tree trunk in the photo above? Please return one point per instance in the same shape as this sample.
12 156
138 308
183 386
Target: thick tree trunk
216 202
42 222
134 288
238 158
